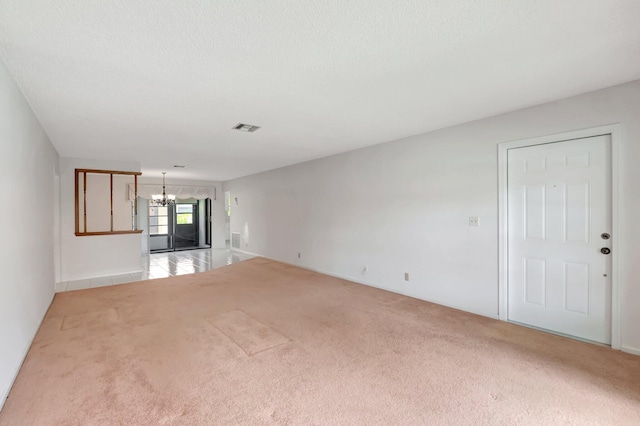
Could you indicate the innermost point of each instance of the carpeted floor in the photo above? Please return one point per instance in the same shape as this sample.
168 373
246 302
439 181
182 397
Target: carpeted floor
260 342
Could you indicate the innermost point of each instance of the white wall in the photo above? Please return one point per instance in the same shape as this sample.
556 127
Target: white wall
217 205
403 206
27 164
202 222
93 256
143 224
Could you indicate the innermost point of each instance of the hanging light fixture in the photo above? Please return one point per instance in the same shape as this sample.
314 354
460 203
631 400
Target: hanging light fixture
164 199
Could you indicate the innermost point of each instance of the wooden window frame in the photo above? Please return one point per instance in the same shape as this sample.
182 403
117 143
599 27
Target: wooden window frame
83 173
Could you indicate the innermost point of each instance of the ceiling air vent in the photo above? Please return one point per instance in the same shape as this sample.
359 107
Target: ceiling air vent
245 127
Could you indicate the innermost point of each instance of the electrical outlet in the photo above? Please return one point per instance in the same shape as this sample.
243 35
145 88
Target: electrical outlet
365 270
406 276
298 255
474 221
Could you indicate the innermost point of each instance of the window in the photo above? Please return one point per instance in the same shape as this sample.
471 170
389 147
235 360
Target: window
184 214
158 220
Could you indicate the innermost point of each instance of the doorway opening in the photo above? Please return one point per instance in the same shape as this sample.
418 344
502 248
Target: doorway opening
183 225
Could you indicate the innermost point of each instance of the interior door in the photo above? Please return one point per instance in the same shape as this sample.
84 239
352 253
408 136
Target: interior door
559 214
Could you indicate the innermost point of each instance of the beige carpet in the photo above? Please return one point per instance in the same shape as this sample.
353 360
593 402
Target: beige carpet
260 342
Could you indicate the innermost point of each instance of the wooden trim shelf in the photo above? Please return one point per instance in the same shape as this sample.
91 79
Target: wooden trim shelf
88 234
108 172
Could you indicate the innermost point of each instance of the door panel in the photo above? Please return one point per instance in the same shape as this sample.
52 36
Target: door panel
559 202
576 285
186 227
535 281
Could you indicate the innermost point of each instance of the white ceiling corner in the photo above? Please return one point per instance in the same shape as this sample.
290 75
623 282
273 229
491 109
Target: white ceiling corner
163 82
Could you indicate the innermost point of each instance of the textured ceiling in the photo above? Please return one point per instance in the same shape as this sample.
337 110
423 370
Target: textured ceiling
164 81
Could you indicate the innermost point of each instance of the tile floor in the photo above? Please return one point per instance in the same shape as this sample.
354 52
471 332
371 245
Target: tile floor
163 265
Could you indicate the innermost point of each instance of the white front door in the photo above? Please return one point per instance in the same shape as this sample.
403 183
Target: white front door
559 213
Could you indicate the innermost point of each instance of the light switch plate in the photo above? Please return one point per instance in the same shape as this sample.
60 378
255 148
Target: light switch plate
474 221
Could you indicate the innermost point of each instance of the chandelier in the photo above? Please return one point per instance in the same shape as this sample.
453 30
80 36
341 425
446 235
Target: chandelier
164 199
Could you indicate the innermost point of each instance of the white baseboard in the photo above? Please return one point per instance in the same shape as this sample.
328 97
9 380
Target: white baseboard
630 350
3 398
381 287
372 284
623 348
253 254
93 277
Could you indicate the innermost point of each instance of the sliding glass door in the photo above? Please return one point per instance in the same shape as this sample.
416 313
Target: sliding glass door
186 226
161 221
180 226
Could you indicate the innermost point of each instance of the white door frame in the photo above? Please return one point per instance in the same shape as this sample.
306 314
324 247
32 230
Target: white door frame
615 132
